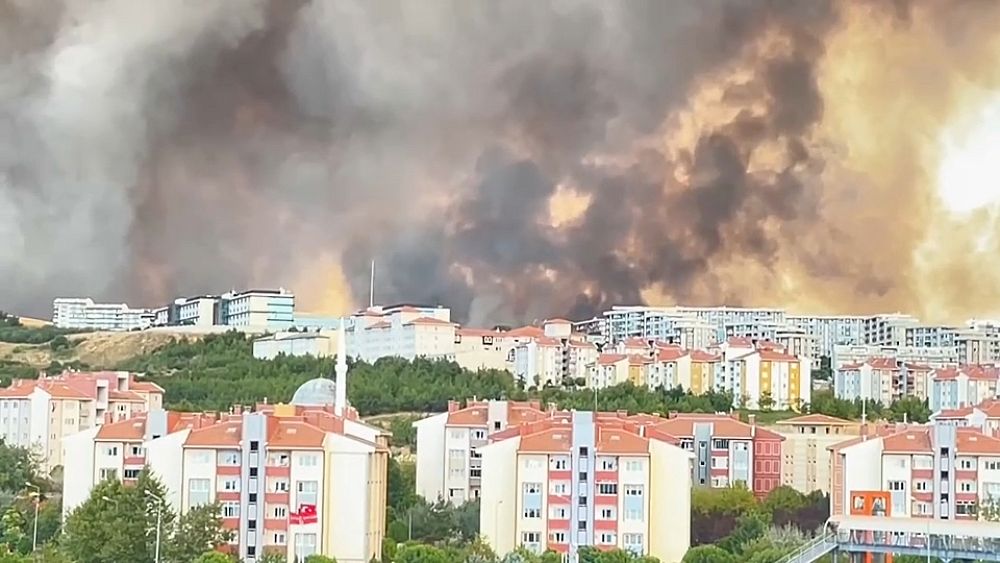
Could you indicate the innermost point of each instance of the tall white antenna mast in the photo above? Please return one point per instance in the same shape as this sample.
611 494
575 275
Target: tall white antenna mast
371 288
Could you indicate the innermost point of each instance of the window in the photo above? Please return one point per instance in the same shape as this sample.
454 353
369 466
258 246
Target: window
967 486
254 445
456 434
201 457
278 538
532 488
633 490
607 513
607 539
229 484
279 486
992 465
277 459
137 451
584 452
921 486
633 465
559 488
131 473
687 444
558 513
607 464
897 486
309 460
305 545
581 501
108 474
279 511
532 513
581 525
607 488
111 450
478 434
229 458
720 462
633 542
532 463
559 463
306 492
198 491
965 508
965 463
530 537
231 510
720 444
557 537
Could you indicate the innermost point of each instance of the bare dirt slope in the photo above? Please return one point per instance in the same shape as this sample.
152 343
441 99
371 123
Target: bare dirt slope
97 349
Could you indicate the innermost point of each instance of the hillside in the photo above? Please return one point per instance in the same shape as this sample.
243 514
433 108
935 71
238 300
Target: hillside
95 349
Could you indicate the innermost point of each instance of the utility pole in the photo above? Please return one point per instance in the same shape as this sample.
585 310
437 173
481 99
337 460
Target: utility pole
38 500
159 523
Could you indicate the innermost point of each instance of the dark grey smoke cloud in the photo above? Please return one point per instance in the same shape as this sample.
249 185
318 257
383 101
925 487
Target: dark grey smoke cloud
150 149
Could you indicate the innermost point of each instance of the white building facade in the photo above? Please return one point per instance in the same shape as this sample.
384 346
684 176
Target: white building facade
85 314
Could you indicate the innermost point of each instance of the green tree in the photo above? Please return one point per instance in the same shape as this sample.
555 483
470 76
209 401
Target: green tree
117 523
198 530
272 557
708 554
13 532
18 468
420 554
320 559
213 557
480 552
550 556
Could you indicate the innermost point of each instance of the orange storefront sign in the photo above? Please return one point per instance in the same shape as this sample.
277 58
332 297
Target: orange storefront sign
871 503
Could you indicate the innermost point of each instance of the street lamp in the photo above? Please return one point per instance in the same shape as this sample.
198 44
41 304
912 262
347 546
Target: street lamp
159 522
38 499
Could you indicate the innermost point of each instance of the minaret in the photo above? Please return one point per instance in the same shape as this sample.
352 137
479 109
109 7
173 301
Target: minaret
341 371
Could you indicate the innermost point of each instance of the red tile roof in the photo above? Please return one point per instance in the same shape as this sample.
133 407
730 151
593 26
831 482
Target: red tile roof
703 356
610 359
671 354
775 356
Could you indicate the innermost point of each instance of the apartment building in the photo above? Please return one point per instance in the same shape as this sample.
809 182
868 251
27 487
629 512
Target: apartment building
771 374
115 450
38 414
806 457
932 357
550 355
664 324
829 331
449 465
936 471
86 314
477 349
966 386
262 309
726 451
404 331
882 379
887 329
293 480
581 479
984 416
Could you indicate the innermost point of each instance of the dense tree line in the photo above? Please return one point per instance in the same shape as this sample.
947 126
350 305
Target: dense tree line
730 525
11 330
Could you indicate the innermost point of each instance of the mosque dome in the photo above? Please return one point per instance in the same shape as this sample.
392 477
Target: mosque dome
319 392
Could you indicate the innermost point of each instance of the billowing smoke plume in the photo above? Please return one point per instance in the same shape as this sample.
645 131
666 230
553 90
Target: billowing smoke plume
513 160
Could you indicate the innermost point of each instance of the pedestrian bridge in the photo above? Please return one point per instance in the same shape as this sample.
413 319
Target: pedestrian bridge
946 540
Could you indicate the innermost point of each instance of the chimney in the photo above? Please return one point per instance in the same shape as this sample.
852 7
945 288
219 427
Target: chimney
452 406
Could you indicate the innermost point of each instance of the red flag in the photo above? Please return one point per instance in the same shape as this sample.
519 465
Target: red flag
307 513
